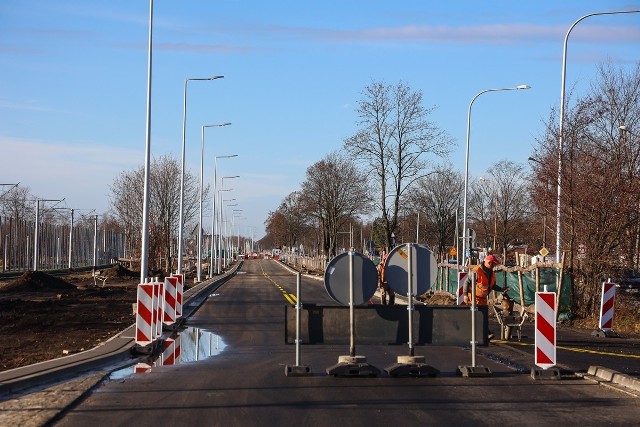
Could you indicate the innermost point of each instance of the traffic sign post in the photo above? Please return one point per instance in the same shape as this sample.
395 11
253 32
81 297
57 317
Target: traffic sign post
473 370
411 267
297 370
360 276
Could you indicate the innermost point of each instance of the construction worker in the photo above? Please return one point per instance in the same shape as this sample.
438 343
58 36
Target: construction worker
383 285
485 283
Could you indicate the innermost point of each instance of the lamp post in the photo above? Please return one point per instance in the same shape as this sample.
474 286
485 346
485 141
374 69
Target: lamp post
237 213
466 172
219 239
213 213
144 244
201 188
228 243
546 200
184 128
561 125
220 224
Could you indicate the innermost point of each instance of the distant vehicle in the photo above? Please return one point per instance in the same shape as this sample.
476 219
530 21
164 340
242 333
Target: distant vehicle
630 282
627 279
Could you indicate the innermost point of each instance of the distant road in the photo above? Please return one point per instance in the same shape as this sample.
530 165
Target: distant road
245 385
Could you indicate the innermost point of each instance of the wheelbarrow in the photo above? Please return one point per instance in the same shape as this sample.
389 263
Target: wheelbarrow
508 319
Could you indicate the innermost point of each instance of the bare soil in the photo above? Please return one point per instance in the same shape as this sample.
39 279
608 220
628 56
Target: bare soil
43 317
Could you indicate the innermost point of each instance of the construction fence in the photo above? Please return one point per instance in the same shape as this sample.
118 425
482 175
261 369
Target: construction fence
523 282
59 246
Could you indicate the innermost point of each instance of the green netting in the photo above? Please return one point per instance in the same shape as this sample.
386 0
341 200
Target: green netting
448 282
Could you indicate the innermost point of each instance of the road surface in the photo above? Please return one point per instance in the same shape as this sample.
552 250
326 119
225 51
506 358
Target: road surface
244 383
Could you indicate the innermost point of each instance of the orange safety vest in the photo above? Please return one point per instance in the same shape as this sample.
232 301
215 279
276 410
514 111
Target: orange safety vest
381 269
483 286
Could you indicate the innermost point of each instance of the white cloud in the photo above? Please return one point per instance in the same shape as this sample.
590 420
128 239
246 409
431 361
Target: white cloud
79 173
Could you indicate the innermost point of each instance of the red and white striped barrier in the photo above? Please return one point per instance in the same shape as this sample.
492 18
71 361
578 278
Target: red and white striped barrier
607 304
179 292
462 275
545 341
176 348
168 352
158 304
170 292
145 315
142 368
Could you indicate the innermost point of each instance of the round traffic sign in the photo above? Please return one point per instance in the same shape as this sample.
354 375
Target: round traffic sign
337 278
424 269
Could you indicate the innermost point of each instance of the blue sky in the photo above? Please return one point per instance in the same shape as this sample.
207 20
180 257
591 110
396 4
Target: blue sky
73 79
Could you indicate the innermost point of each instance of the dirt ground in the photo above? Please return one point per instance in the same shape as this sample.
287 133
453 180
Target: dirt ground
43 317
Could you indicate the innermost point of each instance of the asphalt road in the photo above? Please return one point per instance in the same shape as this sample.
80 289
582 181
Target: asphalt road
245 384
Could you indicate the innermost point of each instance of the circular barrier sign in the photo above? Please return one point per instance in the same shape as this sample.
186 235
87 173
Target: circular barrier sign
365 278
424 269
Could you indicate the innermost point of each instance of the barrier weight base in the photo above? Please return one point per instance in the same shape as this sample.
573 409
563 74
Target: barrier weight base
297 371
353 366
411 370
474 371
545 374
604 333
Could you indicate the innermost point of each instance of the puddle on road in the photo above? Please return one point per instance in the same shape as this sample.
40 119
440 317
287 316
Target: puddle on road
190 345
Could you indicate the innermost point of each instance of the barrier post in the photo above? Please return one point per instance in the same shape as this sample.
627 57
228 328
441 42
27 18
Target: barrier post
168 352
170 288
144 314
179 292
607 305
545 338
158 296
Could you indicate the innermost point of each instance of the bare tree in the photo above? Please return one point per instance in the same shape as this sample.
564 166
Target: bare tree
335 192
127 193
437 198
297 217
276 227
394 144
16 203
600 181
501 206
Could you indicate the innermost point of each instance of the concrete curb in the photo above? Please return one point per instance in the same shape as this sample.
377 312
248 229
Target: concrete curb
614 377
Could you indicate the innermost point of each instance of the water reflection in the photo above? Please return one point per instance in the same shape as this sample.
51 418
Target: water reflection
189 345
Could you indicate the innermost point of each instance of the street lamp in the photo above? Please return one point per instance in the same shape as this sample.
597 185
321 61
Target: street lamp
546 200
237 213
220 223
201 188
466 172
221 228
184 128
227 243
144 244
213 213
7 192
560 128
